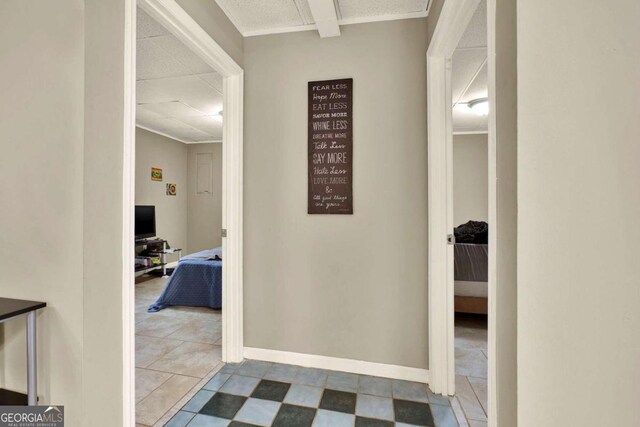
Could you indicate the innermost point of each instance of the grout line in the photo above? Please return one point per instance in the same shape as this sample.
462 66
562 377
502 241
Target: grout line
478 397
151 392
187 397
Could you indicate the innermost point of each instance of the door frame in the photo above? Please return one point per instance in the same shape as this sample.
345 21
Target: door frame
178 22
452 23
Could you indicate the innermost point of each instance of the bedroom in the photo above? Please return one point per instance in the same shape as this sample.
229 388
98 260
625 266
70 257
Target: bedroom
178 220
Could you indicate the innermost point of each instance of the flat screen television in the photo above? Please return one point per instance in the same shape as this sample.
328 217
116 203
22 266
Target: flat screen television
145 223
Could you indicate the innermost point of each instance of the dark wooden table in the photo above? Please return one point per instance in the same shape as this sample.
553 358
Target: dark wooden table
11 309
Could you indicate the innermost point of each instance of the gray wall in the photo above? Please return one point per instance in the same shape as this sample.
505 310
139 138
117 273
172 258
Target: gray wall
153 150
470 178
351 286
204 220
41 136
578 210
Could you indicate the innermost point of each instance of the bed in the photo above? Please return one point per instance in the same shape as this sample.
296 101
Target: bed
470 277
195 282
471 265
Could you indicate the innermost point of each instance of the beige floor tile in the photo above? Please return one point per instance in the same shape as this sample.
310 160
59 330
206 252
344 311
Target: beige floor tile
199 330
479 386
193 359
468 400
150 349
147 381
155 405
160 325
187 397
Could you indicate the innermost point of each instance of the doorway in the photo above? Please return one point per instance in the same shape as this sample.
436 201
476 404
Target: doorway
447 98
182 27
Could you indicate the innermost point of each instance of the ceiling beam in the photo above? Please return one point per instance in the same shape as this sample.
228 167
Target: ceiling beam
326 17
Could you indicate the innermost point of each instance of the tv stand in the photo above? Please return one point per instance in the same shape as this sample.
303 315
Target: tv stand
162 254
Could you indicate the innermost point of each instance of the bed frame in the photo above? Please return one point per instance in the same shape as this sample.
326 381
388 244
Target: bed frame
473 305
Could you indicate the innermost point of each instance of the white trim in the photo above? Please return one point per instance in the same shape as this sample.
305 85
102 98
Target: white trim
471 132
383 18
492 343
232 219
280 30
452 23
338 364
166 135
169 14
128 197
350 21
213 141
325 16
157 132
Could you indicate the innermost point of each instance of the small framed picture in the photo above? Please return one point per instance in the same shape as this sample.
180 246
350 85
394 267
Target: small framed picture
156 174
172 189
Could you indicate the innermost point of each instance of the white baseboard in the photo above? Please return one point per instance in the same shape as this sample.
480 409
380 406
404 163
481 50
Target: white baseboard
338 364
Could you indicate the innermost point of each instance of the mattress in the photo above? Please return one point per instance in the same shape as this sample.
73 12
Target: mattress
195 283
463 288
471 262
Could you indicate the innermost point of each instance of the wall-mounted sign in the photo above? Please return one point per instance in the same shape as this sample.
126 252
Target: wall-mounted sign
172 189
330 124
156 174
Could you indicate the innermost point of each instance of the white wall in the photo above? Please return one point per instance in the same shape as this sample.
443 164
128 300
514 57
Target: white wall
204 211
578 210
470 178
350 286
41 136
506 230
103 225
153 150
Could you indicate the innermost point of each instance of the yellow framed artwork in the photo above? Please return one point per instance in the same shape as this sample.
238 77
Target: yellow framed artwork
156 174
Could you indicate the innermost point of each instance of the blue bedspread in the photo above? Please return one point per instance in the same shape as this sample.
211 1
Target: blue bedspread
195 283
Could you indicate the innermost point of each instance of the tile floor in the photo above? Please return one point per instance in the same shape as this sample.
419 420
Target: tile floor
177 352
179 375
257 393
470 402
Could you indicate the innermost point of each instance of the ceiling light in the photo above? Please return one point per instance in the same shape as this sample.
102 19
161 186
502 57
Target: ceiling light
216 116
479 106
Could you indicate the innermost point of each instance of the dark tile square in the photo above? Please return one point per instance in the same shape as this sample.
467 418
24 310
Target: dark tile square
223 405
241 424
339 401
372 422
294 416
416 413
271 390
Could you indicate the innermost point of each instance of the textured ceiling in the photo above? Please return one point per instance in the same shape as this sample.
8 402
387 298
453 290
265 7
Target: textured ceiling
253 17
178 94
469 74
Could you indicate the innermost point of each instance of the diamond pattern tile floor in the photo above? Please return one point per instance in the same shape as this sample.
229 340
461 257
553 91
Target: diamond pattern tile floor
271 395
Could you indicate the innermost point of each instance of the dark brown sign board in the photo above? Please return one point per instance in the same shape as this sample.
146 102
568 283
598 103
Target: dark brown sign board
330 124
